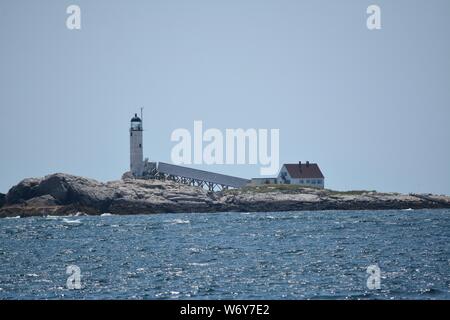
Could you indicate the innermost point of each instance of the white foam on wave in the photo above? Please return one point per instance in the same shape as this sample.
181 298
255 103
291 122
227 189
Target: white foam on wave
199 264
177 221
106 214
68 221
16 217
51 217
64 217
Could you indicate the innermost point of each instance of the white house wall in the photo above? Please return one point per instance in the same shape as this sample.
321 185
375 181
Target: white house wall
298 181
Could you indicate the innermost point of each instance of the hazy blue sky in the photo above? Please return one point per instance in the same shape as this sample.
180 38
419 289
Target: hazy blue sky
371 107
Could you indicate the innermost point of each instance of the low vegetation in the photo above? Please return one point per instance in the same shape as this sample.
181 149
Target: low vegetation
292 188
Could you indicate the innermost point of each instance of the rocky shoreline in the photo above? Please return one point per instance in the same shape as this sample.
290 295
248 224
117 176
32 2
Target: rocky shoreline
63 194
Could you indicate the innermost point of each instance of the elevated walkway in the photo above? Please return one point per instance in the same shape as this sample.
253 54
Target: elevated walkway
194 177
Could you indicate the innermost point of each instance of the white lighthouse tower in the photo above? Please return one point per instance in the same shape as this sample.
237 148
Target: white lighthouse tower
136 150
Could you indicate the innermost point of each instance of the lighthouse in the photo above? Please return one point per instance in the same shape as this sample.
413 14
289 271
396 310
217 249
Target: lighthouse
136 150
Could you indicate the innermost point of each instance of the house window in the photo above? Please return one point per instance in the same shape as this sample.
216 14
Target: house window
301 181
140 145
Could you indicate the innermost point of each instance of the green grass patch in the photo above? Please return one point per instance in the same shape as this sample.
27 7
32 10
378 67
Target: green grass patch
350 192
283 188
293 188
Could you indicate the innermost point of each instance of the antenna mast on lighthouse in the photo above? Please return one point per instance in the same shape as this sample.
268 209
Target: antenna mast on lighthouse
142 117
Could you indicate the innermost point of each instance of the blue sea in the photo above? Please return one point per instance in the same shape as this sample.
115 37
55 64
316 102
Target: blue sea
277 255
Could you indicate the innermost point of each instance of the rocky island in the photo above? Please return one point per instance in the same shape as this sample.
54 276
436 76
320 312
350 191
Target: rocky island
63 194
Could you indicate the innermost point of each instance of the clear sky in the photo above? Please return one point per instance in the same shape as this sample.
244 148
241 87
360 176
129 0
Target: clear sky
371 107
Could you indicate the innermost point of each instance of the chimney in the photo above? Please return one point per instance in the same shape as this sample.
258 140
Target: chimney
300 166
307 163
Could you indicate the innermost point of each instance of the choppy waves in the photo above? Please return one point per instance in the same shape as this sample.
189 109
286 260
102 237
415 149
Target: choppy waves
277 255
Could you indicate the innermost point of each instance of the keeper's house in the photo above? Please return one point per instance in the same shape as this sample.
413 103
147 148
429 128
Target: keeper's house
306 174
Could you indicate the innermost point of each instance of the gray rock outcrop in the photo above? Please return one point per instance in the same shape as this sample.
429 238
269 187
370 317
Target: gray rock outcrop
2 199
62 194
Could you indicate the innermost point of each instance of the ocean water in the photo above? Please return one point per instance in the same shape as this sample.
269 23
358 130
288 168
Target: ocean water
279 255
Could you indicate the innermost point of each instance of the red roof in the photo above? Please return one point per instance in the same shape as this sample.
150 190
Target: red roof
304 171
